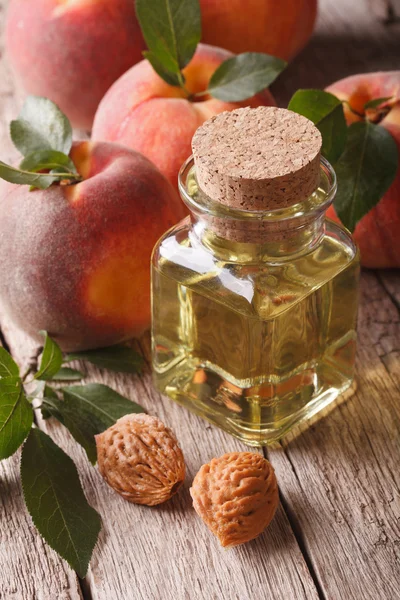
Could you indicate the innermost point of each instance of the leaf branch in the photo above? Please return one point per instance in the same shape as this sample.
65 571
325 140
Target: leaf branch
50 480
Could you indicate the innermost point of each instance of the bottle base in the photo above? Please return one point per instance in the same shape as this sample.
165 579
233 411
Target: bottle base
256 415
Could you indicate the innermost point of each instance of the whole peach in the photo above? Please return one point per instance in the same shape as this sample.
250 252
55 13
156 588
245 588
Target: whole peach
278 28
71 51
143 112
75 259
377 233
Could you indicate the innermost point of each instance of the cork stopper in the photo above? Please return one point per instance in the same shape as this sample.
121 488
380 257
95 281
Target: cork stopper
262 158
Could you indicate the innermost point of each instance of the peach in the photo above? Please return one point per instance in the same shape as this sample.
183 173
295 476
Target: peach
71 51
143 112
377 233
278 28
75 260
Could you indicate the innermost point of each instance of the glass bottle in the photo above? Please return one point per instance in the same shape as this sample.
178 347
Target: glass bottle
254 311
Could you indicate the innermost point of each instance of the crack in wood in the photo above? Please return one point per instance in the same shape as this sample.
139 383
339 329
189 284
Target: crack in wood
388 290
85 588
304 544
296 528
3 341
294 525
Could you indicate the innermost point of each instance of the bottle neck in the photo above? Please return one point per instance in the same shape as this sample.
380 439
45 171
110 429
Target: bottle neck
252 236
259 241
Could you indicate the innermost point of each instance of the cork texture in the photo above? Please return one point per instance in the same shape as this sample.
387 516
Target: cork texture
258 158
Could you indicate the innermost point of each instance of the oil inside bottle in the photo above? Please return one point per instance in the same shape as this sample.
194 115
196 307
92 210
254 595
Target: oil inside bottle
255 346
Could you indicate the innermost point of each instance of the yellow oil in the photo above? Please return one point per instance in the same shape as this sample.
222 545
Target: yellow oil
254 348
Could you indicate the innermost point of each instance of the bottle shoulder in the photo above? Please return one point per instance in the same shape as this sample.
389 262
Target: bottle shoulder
260 286
179 245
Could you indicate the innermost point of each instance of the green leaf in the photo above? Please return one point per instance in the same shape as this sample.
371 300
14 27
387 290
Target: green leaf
51 359
105 404
56 502
121 359
48 408
67 374
46 160
41 126
170 78
172 30
83 431
326 112
376 102
8 367
16 416
37 180
243 76
88 410
365 171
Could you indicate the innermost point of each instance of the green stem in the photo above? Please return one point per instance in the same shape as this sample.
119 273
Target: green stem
183 86
71 176
29 372
203 93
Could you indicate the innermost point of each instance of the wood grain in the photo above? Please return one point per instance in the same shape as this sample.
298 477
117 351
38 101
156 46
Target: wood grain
29 568
167 552
382 314
143 553
339 477
390 281
340 513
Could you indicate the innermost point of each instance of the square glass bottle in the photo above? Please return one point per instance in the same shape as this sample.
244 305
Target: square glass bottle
255 295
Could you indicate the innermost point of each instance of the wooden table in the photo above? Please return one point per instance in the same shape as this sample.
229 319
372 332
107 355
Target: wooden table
337 531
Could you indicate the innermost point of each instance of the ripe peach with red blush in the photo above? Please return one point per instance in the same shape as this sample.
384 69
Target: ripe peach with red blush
377 233
71 51
75 259
278 28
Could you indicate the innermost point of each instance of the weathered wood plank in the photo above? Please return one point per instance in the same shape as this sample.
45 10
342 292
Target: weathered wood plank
339 478
348 39
147 553
29 568
391 283
382 314
344 501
